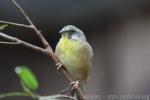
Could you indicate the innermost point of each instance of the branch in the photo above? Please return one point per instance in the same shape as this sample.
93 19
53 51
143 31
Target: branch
43 40
57 97
8 43
48 50
16 24
52 97
11 94
21 42
64 91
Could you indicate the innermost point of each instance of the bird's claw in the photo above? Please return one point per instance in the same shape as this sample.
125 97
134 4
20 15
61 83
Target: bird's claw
74 85
59 66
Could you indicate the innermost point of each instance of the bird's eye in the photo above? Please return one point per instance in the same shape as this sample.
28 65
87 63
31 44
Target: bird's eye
72 31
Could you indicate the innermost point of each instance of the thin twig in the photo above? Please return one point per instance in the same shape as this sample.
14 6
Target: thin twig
15 24
57 97
43 40
21 42
11 94
22 11
64 90
9 43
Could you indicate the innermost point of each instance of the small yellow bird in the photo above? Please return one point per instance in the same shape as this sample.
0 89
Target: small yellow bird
75 53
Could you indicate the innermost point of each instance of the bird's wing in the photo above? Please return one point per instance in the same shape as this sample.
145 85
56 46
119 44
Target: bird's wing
89 49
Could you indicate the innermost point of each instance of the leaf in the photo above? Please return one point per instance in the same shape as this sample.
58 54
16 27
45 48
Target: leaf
27 78
2 27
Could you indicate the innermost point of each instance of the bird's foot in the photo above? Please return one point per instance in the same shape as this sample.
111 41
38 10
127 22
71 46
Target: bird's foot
74 85
59 66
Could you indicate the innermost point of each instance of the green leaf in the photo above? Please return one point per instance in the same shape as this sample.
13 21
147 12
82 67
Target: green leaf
2 27
27 78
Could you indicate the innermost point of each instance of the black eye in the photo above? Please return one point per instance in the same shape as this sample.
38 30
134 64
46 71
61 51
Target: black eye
72 31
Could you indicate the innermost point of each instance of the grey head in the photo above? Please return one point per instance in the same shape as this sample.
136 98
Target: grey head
73 33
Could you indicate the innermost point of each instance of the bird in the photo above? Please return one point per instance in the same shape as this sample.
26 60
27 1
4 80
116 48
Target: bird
75 54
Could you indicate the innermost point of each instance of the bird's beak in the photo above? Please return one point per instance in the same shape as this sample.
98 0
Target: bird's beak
61 31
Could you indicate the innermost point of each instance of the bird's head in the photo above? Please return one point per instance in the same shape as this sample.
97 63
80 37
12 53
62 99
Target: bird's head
72 32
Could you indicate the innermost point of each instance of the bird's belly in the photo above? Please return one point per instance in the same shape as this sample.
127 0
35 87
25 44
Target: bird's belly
75 57
76 64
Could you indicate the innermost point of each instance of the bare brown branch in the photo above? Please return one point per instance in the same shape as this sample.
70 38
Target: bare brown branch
43 40
15 24
48 50
9 43
22 11
64 91
20 42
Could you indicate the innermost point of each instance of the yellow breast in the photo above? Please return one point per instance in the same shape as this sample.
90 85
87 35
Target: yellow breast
74 57
69 46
